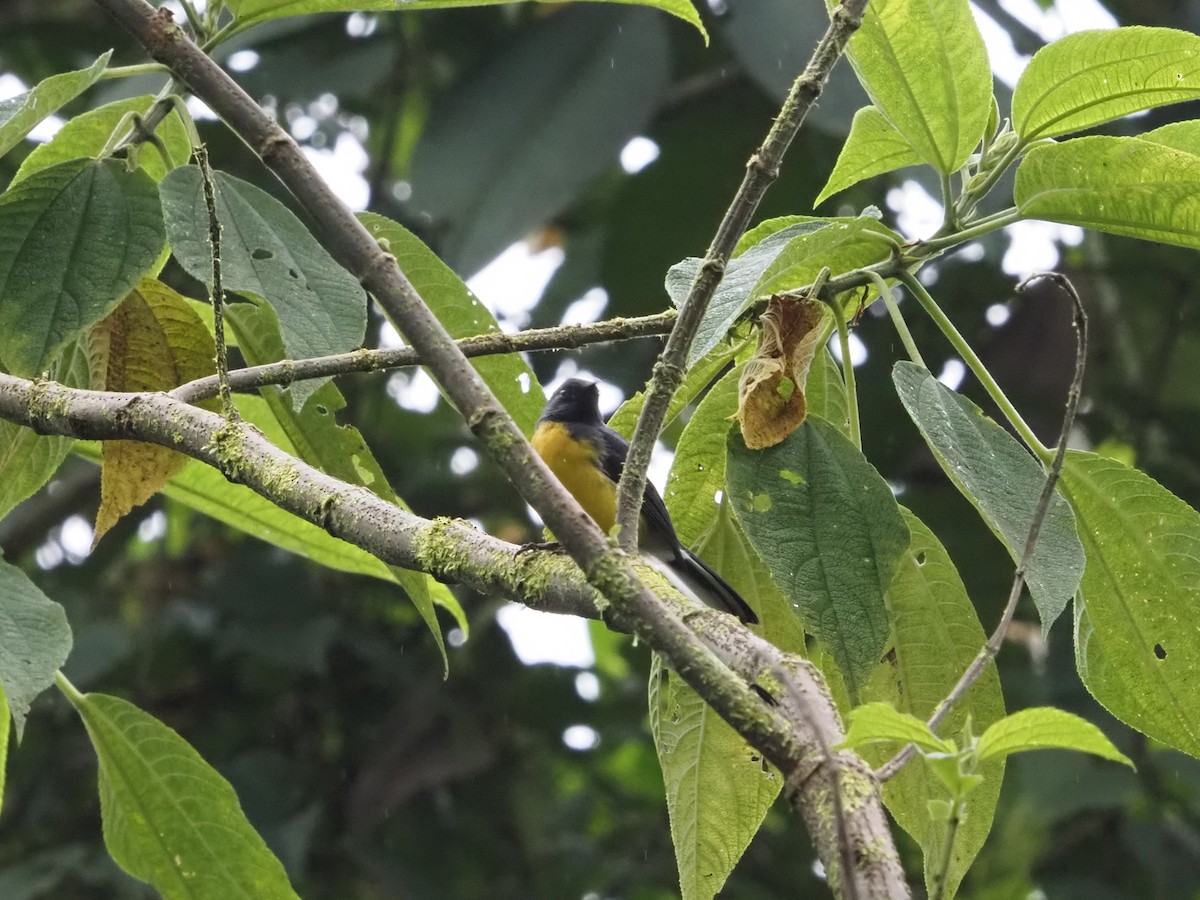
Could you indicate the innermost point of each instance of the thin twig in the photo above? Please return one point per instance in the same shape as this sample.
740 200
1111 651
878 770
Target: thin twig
217 291
761 172
992 647
560 337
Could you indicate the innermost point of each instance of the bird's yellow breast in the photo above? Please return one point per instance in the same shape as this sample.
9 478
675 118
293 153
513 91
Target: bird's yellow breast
576 464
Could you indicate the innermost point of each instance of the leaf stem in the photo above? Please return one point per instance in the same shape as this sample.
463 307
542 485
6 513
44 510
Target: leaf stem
978 228
63 684
893 308
971 358
151 68
943 864
839 317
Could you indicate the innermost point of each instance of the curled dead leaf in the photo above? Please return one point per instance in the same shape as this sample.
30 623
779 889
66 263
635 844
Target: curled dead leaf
771 401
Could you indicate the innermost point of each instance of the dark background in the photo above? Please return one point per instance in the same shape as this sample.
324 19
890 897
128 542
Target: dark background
321 696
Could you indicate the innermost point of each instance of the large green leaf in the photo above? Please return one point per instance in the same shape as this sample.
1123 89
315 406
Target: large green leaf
460 312
518 140
339 450
74 239
924 64
169 818
1136 645
1091 77
718 789
1001 480
873 147
936 635
19 114
828 528
87 134
251 12
36 641
704 523
1131 186
266 252
783 258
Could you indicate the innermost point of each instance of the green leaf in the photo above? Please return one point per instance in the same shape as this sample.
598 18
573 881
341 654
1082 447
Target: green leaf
924 64
460 312
318 439
698 472
935 636
880 722
170 819
1130 186
556 106
828 528
19 114
28 459
705 525
1133 649
36 641
1001 480
1091 77
718 789
5 730
252 12
266 252
873 147
1046 728
74 239
784 259
86 135
826 392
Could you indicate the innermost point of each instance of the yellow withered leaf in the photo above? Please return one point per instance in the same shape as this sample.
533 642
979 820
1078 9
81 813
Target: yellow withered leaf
771 401
153 341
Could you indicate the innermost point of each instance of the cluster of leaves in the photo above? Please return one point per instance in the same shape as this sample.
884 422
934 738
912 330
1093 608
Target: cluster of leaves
807 530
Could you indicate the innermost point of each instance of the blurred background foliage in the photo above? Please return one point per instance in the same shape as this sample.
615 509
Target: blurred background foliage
321 696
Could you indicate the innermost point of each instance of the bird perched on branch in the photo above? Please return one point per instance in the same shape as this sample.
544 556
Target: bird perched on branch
588 457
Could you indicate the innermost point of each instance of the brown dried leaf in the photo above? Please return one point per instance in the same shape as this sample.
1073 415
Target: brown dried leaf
771 401
153 341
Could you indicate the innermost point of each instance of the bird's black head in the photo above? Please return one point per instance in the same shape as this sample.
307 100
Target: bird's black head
577 402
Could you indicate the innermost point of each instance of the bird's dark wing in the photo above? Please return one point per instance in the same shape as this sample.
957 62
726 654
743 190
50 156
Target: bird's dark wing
654 511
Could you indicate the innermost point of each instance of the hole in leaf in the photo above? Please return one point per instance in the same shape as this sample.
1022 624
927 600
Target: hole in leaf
1159 651
920 557
260 253
322 409
293 273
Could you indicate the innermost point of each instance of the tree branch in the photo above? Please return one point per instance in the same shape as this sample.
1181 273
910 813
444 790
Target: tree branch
561 337
761 172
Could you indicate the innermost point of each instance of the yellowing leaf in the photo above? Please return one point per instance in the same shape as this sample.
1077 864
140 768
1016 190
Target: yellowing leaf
771 400
153 341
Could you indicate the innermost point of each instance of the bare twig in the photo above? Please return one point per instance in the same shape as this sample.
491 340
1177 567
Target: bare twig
994 643
560 337
761 172
217 292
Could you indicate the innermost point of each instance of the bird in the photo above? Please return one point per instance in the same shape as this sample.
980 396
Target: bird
588 457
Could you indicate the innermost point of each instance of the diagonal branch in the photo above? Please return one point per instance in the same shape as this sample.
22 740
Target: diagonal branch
761 172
